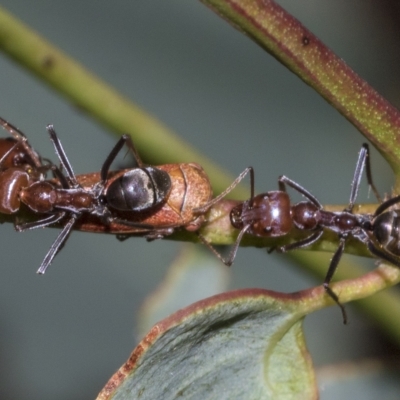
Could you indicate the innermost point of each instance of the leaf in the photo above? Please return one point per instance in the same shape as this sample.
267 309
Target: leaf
194 275
245 344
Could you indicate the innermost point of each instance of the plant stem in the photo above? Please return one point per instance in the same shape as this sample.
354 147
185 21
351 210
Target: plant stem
285 38
90 94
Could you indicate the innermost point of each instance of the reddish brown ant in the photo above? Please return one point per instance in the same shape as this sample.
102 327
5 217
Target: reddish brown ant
150 201
22 181
272 215
139 190
12 155
16 151
179 201
20 165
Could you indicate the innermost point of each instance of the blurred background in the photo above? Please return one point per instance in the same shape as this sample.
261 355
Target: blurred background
64 334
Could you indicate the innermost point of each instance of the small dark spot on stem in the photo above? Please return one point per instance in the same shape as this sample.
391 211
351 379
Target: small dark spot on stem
48 62
305 40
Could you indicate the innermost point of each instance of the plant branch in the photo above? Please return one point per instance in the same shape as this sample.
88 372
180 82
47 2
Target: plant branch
285 38
90 94
352 283
271 27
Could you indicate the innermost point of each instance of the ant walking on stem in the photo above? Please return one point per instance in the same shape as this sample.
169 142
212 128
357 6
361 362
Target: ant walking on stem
146 200
271 214
154 201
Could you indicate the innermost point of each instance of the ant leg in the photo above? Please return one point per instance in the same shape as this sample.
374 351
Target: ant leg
369 173
60 176
62 156
332 268
362 162
21 138
58 243
206 207
299 244
132 148
8 152
232 255
383 254
335 298
285 180
12 130
355 184
124 139
108 219
41 223
111 157
145 227
386 204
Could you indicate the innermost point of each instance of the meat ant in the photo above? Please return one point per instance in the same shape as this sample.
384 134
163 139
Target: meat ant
272 215
20 165
150 201
138 190
22 180
17 152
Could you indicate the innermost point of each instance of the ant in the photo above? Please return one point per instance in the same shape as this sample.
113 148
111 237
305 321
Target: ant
17 152
150 201
22 180
20 165
272 215
139 189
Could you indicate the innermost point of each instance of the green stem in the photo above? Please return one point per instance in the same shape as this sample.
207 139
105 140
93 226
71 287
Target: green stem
304 54
274 30
90 94
352 283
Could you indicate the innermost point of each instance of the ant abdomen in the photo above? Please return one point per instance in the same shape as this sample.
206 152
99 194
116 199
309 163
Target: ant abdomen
12 179
139 189
386 229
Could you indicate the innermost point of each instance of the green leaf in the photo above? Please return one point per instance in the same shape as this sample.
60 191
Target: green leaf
246 344
194 275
